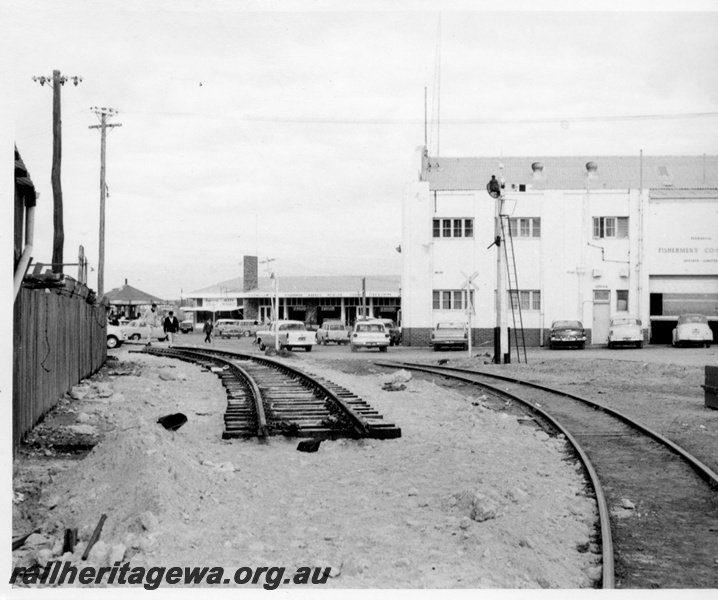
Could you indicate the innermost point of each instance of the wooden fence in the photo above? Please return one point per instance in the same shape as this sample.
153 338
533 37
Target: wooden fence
58 340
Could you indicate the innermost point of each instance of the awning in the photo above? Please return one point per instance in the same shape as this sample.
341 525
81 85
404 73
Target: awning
210 309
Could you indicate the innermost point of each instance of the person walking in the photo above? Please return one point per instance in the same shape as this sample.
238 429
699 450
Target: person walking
171 326
150 319
208 331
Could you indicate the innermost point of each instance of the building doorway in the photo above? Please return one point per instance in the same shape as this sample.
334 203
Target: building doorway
601 316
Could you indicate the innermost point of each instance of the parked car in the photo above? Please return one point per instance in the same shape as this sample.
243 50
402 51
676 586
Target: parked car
291 334
370 334
228 328
625 330
137 330
567 333
333 331
186 326
394 331
692 330
115 337
450 334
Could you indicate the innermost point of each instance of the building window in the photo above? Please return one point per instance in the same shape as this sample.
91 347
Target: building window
526 299
610 227
525 227
453 228
622 300
450 299
468 228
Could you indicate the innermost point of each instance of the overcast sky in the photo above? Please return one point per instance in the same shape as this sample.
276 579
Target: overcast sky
290 135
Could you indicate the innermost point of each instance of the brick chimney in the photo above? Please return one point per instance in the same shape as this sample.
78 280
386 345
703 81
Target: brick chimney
251 273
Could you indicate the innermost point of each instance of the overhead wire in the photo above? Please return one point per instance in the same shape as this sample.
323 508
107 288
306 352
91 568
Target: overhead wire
464 121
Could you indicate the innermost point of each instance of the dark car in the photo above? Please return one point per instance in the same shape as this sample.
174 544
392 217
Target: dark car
186 326
567 333
393 330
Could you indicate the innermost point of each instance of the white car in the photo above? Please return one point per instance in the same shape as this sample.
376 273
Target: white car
137 330
290 334
115 337
692 330
333 331
625 330
369 334
450 334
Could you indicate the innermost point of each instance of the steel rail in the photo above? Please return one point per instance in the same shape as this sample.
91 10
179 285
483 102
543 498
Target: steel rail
608 576
361 426
262 428
703 471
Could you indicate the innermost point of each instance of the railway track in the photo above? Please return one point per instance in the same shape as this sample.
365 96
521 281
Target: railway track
660 520
267 397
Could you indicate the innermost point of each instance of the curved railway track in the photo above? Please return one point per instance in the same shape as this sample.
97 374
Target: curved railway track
268 397
662 501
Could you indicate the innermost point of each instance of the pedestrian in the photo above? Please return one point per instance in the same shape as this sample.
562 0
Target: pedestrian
171 326
150 319
208 331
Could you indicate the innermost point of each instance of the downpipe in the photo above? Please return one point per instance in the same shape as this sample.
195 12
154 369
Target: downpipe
26 255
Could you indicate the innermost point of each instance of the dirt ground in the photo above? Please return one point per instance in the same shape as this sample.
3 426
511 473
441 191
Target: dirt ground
467 498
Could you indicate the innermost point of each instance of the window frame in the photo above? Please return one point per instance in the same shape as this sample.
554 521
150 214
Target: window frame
453 299
610 228
459 228
622 297
525 228
527 300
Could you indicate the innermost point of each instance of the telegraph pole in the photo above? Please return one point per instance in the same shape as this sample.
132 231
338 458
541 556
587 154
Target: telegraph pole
58 241
103 113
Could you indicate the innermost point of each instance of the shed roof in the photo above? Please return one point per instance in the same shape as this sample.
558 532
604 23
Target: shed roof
569 172
128 295
327 285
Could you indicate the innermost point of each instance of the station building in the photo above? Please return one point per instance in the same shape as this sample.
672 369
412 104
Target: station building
311 299
593 237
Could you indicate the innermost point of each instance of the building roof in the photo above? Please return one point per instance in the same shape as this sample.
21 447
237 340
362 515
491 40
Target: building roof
127 295
569 172
322 285
23 183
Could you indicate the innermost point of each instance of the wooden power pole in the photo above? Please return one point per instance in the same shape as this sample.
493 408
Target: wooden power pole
103 113
58 241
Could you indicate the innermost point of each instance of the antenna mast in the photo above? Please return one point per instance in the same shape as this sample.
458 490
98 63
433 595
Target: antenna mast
424 116
438 89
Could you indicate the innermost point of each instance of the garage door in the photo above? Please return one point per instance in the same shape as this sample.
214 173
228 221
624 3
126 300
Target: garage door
673 296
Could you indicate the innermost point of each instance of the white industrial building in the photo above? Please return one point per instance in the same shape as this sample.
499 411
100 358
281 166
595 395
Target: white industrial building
592 236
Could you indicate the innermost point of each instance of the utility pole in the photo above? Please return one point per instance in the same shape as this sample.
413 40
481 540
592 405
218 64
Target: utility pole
275 309
58 241
363 296
103 113
468 284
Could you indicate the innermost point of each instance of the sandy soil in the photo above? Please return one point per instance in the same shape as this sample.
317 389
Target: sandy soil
466 498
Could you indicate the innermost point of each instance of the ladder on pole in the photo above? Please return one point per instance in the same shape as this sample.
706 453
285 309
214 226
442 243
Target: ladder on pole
513 285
